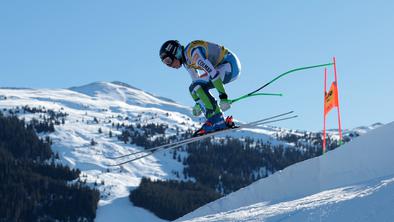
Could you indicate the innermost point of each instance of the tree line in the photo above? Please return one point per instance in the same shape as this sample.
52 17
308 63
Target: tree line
33 187
219 167
171 199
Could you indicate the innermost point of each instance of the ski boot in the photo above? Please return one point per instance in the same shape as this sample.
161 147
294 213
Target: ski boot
215 123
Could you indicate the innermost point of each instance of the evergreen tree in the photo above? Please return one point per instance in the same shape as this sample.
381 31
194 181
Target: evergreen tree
92 142
30 188
171 199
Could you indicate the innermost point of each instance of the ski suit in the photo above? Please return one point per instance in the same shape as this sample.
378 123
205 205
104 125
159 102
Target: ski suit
210 66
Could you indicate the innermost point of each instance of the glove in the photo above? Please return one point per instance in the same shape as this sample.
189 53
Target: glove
196 110
225 104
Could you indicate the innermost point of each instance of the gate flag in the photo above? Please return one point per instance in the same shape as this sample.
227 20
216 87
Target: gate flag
331 101
331 98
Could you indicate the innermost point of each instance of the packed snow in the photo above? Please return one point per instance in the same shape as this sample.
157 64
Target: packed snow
352 183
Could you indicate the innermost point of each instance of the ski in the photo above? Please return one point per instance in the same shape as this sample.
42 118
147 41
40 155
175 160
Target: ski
198 138
188 141
193 138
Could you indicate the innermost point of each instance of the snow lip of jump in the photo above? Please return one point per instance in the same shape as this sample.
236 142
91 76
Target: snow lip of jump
366 158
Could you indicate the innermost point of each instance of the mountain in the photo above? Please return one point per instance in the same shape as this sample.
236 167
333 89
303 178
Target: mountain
87 120
352 183
101 106
123 92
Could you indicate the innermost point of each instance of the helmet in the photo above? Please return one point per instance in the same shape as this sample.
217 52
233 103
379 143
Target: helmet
171 49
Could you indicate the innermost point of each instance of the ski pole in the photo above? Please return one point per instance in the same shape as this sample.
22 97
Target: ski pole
255 94
276 78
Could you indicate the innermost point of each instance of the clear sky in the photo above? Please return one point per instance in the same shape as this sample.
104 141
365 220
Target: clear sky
59 44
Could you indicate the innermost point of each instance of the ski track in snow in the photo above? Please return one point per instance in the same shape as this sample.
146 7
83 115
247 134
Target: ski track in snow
352 183
323 206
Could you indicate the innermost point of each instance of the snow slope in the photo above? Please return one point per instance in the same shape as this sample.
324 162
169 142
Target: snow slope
114 102
352 183
108 103
130 95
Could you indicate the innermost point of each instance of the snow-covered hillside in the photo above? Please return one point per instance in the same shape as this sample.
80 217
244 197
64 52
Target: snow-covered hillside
92 111
352 183
108 103
123 92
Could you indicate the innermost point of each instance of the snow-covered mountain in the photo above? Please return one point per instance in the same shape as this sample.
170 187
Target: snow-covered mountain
98 107
352 183
92 111
123 92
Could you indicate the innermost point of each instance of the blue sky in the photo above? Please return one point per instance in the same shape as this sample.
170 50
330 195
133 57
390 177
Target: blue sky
59 44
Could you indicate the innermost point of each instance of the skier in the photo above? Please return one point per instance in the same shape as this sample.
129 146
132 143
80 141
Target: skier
210 66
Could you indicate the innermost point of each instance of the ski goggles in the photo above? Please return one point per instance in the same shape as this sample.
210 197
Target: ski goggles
168 61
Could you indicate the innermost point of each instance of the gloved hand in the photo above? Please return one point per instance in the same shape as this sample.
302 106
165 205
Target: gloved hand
197 110
224 104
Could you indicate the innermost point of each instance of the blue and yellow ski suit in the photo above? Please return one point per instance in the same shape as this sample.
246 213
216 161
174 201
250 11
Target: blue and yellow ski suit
210 66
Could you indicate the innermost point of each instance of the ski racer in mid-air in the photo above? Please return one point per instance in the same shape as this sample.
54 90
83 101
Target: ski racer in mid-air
210 66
